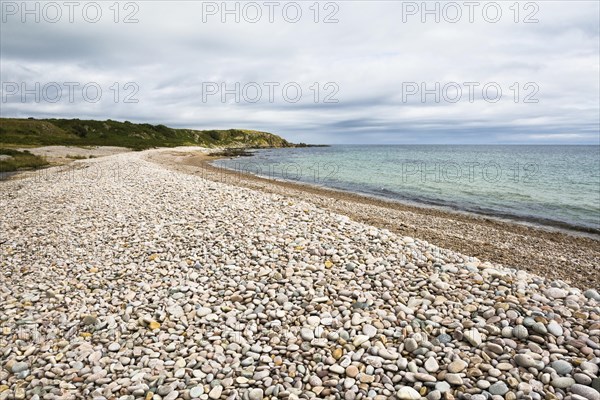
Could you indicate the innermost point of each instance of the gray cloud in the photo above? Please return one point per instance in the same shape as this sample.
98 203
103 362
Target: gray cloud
370 55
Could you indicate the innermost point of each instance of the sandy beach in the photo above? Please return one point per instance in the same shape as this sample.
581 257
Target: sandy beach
150 275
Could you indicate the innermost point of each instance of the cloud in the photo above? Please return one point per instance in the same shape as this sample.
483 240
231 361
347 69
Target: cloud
366 62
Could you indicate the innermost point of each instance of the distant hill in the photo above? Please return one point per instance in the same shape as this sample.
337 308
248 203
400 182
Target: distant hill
76 132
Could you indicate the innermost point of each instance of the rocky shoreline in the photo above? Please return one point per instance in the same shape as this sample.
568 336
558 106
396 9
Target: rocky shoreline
122 279
553 254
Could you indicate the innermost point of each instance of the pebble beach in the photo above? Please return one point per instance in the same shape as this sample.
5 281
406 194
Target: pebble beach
126 280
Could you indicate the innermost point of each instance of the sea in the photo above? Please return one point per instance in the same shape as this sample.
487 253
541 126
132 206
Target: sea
546 185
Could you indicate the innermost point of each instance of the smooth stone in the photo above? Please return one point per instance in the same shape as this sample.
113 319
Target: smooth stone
431 365
203 311
352 371
360 339
255 394
434 395
408 393
175 311
337 369
315 381
388 355
483 384
215 392
583 379
555 329
19 367
410 345
592 294
114 347
563 382
90 320
561 367
589 367
473 336
197 391
539 328
444 338
498 389
260 375
585 391
555 293
457 366
180 373
236 298
520 332
442 387
172 396
369 330
454 379
525 361
307 334
164 390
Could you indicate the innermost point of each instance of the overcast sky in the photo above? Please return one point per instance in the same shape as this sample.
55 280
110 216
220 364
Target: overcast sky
362 68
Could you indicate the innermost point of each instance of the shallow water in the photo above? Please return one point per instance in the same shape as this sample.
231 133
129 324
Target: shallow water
547 185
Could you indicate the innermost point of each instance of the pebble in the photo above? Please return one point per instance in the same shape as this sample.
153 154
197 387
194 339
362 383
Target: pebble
583 379
352 371
407 393
369 330
556 293
215 392
196 391
431 365
474 337
520 332
555 329
90 320
444 338
561 367
255 394
307 334
562 382
442 387
410 345
167 285
457 366
592 294
359 340
498 389
337 369
585 392
434 395
525 360
19 367
454 379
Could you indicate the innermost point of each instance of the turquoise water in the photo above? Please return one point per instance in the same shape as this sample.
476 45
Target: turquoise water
548 185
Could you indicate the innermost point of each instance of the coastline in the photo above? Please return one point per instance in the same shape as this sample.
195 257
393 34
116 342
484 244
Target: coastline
552 253
146 269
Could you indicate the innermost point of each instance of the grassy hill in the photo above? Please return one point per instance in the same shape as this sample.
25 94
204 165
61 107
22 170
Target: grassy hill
74 132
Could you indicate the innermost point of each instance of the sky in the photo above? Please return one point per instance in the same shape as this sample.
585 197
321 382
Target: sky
316 72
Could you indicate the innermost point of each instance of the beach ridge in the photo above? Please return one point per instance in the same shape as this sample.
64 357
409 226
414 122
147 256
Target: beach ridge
124 278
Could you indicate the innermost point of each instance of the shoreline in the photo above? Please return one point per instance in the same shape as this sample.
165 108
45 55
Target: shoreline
176 279
547 252
532 222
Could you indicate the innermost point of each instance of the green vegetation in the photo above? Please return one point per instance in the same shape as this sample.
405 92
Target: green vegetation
12 160
74 132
